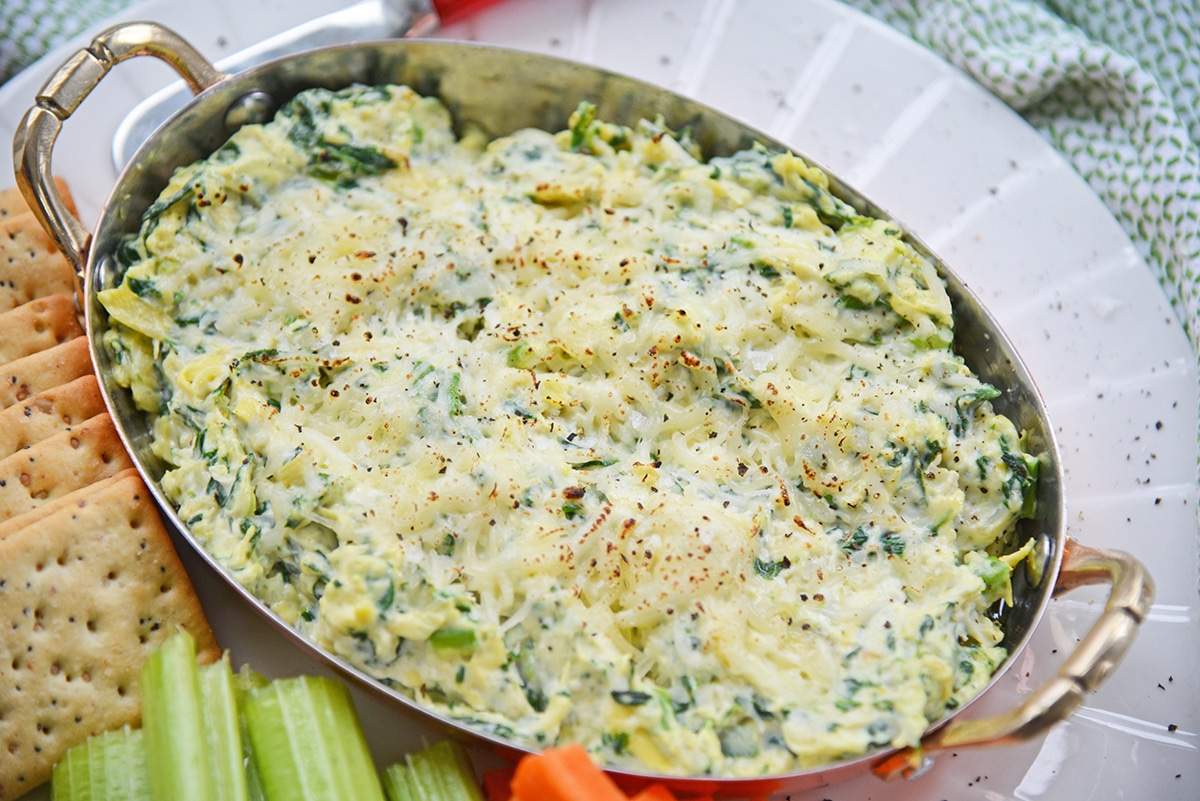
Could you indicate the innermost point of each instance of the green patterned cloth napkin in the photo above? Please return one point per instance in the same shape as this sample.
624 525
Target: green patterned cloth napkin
1113 84
30 28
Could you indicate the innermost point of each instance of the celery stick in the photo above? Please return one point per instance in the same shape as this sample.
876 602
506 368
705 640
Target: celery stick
441 772
246 681
308 743
193 746
398 783
222 730
447 764
172 720
106 767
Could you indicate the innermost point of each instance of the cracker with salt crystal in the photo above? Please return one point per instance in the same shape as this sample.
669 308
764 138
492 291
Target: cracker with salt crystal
29 375
86 593
38 325
79 497
66 461
12 201
30 264
49 412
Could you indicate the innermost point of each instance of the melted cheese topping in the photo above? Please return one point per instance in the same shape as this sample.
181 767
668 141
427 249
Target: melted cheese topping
575 437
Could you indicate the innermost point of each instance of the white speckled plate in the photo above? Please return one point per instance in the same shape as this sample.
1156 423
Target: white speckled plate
984 190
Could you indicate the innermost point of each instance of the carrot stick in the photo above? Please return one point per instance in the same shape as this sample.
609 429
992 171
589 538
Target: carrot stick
654 792
564 774
497 784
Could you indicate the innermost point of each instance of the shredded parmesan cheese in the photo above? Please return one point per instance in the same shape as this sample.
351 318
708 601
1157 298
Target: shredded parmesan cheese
576 437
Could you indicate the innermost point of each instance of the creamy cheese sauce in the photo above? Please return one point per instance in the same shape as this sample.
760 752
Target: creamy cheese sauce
575 437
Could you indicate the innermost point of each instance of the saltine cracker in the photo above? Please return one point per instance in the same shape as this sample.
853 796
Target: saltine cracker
27 376
38 325
66 461
31 266
12 201
86 594
79 497
49 412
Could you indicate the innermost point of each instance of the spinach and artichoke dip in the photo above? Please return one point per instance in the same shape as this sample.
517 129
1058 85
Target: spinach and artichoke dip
575 437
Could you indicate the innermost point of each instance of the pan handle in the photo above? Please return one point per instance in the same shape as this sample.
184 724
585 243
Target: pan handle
61 95
1098 654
